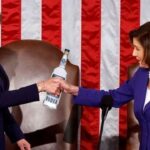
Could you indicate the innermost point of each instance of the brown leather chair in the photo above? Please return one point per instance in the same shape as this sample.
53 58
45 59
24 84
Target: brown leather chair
29 61
133 126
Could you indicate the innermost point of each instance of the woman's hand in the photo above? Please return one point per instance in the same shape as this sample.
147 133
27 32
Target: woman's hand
23 145
69 88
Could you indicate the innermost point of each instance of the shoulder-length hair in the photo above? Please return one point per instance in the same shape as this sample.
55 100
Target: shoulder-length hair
142 34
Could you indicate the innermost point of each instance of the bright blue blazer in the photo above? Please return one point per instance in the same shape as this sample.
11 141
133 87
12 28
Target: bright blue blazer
133 89
11 98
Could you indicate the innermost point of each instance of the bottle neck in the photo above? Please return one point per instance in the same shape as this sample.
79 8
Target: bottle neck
63 61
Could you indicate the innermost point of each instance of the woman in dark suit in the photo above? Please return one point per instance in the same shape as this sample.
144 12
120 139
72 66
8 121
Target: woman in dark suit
20 96
137 88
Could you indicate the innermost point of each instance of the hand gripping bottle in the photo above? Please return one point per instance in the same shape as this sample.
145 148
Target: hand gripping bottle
51 100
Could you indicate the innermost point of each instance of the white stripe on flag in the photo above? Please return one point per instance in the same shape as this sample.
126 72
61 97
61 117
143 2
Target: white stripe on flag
110 62
144 11
31 19
31 29
71 29
71 33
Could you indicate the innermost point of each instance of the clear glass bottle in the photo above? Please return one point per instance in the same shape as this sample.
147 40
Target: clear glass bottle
51 100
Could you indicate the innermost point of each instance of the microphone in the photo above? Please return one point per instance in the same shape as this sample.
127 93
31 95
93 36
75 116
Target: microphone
105 105
107 101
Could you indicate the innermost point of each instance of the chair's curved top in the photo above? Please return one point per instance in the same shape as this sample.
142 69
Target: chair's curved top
28 54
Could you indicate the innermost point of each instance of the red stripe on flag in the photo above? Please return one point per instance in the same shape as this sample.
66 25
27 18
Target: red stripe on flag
11 21
51 21
90 70
130 13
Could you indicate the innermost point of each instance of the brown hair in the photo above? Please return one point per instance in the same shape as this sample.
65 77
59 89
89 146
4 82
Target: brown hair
142 34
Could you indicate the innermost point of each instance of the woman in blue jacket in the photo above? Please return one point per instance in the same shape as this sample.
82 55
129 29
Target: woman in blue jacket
21 96
137 88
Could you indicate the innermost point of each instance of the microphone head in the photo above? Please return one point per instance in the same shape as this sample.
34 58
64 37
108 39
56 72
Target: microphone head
106 102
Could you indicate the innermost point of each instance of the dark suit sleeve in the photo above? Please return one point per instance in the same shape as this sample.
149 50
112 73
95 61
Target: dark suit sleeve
11 128
15 97
21 96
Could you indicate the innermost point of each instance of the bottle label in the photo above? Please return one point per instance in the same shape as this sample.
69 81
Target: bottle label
52 99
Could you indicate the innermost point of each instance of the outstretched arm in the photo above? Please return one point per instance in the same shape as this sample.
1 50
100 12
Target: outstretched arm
29 93
93 97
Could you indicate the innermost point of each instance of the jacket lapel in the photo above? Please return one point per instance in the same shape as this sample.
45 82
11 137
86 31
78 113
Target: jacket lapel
142 86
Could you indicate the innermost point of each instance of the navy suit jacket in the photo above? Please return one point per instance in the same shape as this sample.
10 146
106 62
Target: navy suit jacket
133 89
11 98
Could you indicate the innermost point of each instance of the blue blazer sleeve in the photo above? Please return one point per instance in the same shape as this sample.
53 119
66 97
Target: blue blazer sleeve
91 97
11 128
123 94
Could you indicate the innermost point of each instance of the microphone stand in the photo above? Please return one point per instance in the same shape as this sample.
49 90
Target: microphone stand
104 115
105 105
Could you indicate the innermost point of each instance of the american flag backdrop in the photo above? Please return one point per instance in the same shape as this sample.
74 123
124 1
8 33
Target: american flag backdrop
96 32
